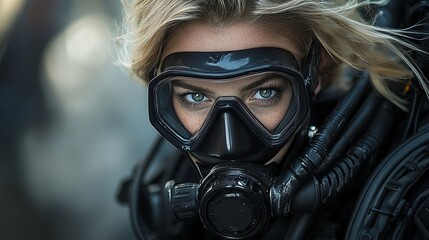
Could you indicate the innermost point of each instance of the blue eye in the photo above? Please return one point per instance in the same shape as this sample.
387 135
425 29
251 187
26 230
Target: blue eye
265 93
195 97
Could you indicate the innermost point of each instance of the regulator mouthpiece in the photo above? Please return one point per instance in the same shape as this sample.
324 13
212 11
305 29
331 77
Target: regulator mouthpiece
232 201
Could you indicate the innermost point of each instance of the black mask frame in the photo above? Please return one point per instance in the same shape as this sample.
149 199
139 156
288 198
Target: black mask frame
229 64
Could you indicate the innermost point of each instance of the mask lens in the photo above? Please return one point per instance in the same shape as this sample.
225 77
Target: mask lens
267 102
266 95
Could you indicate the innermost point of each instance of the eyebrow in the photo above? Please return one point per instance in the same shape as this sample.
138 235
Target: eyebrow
258 82
179 83
255 83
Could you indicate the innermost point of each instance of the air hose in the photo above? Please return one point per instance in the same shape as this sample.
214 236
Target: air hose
290 180
318 191
360 121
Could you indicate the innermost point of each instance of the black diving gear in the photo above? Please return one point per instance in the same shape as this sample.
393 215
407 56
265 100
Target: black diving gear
356 150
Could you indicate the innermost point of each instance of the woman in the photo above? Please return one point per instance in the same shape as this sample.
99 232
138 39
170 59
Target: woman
232 84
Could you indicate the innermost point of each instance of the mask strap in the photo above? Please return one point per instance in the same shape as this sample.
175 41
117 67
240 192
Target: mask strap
311 67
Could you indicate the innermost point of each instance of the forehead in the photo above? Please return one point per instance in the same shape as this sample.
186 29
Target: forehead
203 37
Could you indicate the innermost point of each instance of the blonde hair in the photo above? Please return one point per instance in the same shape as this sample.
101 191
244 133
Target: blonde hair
343 33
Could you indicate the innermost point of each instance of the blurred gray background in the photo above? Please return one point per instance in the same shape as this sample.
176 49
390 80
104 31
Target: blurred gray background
73 123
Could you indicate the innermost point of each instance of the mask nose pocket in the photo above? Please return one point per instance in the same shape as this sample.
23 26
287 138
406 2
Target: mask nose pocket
229 138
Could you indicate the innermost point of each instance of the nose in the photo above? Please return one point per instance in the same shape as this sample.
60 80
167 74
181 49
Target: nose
229 139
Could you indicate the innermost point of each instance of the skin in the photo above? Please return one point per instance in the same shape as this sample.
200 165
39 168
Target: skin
203 37
200 36
267 95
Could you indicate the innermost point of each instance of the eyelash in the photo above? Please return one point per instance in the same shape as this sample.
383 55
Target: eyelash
187 104
275 98
278 90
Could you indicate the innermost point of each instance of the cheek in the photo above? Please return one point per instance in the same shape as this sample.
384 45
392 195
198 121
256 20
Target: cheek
190 120
272 117
270 121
